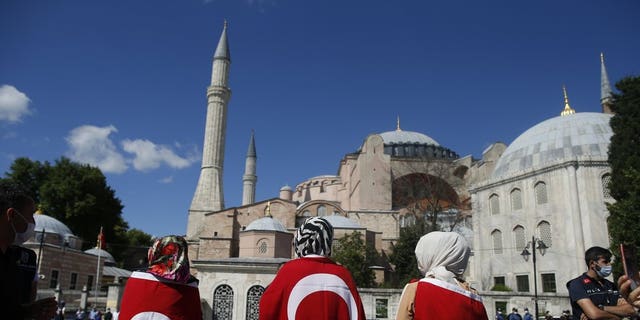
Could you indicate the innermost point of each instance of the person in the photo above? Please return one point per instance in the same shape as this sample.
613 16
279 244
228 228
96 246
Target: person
312 286
60 311
442 293
166 287
80 314
592 295
527 315
631 296
116 313
108 315
499 315
17 299
514 315
92 314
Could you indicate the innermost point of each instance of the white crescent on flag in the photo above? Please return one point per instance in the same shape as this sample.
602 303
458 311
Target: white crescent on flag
321 282
150 316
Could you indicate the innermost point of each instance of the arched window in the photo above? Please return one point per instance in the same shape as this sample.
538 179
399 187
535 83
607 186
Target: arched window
516 199
322 211
494 203
606 179
223 302
497 241
262 246
541 192
518 237
544 231
253 302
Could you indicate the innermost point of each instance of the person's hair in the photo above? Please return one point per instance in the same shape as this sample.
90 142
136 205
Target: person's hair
12 195
595 253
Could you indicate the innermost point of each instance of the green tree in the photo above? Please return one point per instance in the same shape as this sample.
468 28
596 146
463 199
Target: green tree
78 195
352 252
403 255
624 158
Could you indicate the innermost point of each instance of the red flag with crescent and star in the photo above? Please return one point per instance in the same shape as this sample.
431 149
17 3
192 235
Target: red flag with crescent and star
101 243
312 287
452 301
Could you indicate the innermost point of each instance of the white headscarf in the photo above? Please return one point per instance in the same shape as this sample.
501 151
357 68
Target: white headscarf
442 255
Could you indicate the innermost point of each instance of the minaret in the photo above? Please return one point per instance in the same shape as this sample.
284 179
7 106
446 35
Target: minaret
567 108
249 178
209 195
605 88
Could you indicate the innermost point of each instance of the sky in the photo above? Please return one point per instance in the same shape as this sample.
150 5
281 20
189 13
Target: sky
121 85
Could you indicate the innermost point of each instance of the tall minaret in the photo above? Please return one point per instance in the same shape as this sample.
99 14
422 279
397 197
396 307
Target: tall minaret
209 195
249 178
605 88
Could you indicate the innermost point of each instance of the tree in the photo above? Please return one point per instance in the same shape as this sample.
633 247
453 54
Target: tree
352 252
78 195
624 158
403 256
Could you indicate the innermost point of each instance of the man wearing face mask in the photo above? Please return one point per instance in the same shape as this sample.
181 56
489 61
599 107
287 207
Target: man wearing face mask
16 263
593 295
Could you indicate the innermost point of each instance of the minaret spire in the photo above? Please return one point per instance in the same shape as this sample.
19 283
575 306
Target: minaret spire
605 87
567 108
209 196
398 124
249 178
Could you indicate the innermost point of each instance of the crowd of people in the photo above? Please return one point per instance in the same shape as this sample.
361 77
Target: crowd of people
312 286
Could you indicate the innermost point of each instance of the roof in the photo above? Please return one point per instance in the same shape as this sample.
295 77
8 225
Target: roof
266 224
340 222
116 272
577 136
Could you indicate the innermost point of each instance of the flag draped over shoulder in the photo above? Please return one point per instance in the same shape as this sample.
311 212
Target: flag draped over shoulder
312 288
451 302
149 297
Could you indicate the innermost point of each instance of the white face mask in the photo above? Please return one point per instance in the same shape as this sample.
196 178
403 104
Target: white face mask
22 237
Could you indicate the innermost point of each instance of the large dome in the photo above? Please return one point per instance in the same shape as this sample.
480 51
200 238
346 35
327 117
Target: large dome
266 224
580 136
50 225
404 137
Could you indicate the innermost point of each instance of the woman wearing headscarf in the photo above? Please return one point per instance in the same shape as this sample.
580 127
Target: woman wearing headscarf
312 286
167 288
442 293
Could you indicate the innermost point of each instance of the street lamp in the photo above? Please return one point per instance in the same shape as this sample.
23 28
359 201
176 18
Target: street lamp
535 244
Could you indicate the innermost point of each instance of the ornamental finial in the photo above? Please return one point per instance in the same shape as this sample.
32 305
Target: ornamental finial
567 108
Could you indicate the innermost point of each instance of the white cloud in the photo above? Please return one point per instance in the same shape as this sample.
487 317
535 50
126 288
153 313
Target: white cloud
149 155
91 145
168 179
13 104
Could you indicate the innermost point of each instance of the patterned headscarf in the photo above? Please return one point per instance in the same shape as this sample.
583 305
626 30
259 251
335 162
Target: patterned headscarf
442 255
168 258
314 236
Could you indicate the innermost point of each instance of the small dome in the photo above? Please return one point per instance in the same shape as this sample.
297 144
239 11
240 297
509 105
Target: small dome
286 188
103 254
266 224
340 222
583 135
51 225
403 137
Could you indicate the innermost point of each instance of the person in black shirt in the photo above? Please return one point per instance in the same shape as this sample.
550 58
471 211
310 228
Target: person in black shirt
16 223
593 295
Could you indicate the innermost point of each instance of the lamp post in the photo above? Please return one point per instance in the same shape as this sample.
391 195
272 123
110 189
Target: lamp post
535 244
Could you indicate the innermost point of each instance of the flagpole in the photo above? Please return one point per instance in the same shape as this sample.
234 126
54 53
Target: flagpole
95 290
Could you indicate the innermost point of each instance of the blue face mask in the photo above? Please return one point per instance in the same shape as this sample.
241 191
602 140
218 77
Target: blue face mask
603 271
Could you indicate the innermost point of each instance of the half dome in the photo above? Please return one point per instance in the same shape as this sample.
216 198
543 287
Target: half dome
580 136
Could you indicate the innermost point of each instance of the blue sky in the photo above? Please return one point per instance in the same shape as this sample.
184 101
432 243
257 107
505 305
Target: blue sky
121 84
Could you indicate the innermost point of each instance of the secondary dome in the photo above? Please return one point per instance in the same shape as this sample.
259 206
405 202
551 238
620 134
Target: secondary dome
584 135
50 225
103 254
266 224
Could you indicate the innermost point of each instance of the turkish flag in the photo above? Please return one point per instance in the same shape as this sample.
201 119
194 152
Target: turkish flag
147 297
452 301
312 288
